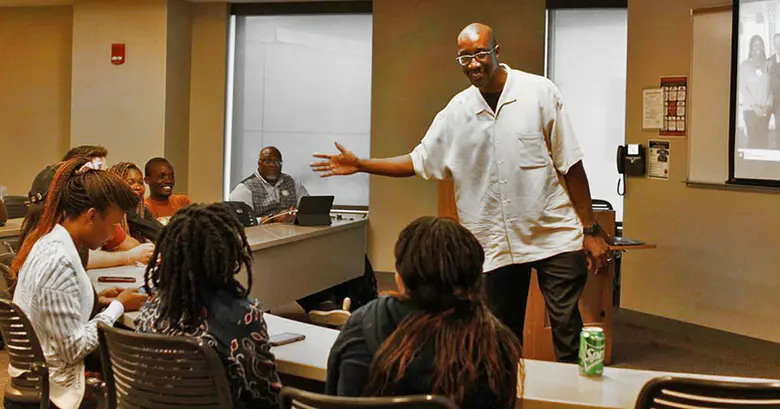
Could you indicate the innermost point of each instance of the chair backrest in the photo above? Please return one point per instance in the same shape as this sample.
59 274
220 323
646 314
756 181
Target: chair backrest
3 213
15 206
673 393
156 371
24 353
599 204
6 282
243 213
293 398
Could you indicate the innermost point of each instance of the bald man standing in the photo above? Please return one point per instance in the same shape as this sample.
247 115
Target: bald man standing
521 188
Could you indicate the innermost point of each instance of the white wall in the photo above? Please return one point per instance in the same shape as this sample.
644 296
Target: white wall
588 63
302 82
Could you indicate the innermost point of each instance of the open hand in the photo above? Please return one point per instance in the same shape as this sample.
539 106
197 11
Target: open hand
345 163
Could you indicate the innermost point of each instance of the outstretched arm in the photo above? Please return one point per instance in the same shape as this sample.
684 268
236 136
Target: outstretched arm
346 163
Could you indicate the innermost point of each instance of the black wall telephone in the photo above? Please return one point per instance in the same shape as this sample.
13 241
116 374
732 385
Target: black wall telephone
630 162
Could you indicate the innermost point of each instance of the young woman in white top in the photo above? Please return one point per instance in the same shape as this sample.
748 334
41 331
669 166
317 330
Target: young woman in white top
83 208
756 98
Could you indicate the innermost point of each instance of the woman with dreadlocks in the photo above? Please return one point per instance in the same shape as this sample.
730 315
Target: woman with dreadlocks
436 334
191 277
83 206
139 224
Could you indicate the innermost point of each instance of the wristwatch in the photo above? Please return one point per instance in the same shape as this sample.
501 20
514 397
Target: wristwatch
592 230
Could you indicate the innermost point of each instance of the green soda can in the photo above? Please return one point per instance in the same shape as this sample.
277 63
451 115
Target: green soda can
592 342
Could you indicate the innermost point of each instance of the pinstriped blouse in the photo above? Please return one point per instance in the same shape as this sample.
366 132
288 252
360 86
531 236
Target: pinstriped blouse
56 294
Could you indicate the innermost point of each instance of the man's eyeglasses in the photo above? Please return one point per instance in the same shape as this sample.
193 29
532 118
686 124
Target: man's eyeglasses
271 162
481 56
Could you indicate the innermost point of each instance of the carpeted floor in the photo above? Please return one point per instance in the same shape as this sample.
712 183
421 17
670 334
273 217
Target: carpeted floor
646 342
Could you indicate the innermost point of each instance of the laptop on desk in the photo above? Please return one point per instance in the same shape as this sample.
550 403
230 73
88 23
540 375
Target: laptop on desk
314 211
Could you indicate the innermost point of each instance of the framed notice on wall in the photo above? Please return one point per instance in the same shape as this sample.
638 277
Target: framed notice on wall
675 105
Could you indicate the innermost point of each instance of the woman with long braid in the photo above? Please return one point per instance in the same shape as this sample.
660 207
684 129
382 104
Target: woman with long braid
83 206
139 224
120 250
191 277
436 334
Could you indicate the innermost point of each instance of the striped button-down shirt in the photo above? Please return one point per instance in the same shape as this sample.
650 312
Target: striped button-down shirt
56 294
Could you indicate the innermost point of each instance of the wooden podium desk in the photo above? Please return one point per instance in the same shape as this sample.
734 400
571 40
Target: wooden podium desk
595 303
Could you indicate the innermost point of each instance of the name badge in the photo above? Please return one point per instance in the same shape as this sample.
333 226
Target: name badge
285 193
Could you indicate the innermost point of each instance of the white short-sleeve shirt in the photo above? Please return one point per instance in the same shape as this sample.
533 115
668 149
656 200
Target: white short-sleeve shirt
508 169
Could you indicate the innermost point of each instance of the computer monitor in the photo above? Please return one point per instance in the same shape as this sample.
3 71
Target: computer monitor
314 211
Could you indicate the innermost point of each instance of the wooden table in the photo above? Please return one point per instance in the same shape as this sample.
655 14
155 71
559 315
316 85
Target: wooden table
555 385
291 262
596 306
307 359
547 384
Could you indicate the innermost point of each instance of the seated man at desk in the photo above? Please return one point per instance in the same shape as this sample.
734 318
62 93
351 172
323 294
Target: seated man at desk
269 192
160 177
273 195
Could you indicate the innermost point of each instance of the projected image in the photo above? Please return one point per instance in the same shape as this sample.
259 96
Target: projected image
758 88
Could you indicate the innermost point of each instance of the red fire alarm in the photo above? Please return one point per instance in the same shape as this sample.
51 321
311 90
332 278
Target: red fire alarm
117 54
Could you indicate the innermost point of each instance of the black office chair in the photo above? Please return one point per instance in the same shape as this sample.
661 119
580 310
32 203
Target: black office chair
293 398
25 354
674 393
243 213
3 213
16 206
149 371
599 204
6 282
